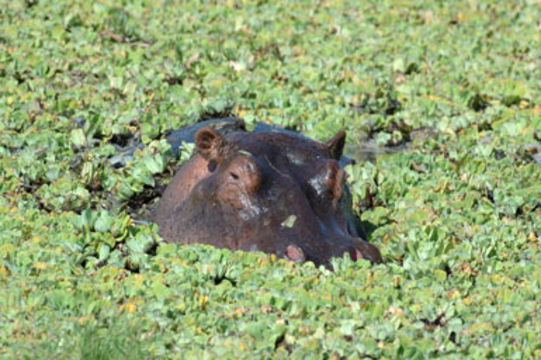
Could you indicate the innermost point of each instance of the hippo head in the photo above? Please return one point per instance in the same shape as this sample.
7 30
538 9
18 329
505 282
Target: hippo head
272 192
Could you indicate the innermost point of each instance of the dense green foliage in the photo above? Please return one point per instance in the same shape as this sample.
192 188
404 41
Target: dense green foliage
457 215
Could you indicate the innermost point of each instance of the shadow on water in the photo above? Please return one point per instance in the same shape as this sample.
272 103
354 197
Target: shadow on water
369 150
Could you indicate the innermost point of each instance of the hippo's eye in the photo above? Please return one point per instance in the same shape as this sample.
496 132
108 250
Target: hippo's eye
212 166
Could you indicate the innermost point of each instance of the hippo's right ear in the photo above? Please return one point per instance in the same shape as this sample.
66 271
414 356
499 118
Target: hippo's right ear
208 142
335 146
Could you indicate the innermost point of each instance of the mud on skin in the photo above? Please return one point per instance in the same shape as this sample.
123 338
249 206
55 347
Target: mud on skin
271 191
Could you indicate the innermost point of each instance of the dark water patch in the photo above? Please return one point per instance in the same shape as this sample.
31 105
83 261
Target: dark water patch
479 102
369 151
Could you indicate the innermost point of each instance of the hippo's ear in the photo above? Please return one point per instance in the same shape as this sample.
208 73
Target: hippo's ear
208 142
335 146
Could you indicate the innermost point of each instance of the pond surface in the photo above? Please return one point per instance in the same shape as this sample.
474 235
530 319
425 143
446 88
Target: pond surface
369 150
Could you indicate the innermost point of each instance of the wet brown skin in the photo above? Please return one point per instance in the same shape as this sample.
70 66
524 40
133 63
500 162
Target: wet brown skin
267 191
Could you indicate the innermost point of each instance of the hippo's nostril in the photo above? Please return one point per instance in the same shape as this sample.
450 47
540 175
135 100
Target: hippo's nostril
233 175
295 253
365 250
356 255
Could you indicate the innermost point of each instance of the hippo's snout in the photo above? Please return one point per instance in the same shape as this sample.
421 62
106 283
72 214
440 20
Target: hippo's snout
360 249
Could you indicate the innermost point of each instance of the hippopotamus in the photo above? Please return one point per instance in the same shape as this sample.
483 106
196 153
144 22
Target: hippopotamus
270 190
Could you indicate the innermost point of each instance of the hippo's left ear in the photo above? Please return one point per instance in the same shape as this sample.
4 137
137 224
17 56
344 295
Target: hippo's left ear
208 142
335 146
